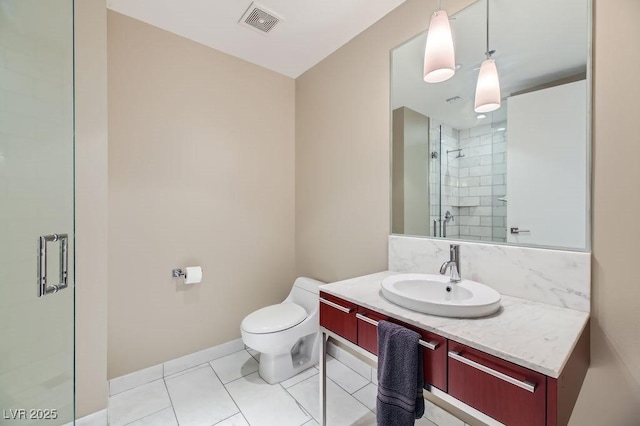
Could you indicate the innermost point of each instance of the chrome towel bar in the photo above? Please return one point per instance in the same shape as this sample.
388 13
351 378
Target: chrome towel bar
432 345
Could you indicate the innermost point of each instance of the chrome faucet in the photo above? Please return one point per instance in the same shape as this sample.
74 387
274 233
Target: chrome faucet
453 263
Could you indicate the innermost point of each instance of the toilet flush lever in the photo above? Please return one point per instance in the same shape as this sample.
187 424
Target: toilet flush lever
516 230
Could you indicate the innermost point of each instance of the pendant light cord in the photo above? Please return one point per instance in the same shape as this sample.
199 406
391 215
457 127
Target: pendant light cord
488 53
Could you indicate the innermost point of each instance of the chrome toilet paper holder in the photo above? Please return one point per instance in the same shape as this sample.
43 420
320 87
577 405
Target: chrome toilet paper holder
190 274
177 273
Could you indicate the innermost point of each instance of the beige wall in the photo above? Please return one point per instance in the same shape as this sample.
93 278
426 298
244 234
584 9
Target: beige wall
611 395
201 172
91 205
342 150
342 184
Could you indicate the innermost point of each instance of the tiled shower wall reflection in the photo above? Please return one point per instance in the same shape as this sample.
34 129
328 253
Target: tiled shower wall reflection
472 187
482 177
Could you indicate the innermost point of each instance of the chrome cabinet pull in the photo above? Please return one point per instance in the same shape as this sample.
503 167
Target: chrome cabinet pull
335 305
432 345
524 385
43 287
367 319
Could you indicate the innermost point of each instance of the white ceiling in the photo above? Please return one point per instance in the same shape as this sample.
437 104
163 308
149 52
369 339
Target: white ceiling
310 31
535 41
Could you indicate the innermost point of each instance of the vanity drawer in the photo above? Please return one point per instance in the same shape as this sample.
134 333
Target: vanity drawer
434 347
434 359
339 316
511 394
368 329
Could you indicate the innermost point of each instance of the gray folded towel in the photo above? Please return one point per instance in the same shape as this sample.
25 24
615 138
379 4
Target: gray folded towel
400 376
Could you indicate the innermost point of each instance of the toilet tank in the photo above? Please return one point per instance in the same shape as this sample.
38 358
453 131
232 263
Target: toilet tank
305 293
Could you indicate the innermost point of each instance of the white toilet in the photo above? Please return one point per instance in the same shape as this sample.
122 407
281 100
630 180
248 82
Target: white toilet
286 334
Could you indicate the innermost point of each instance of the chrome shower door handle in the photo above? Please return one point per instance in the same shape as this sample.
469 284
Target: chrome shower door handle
43 287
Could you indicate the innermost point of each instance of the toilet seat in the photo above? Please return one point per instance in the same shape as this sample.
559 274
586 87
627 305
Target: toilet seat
274 318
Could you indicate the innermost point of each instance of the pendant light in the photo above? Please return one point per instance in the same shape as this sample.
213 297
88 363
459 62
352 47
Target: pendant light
439 57
488 86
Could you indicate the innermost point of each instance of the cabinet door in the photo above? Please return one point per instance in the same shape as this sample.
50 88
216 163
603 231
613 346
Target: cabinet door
339 316
511 394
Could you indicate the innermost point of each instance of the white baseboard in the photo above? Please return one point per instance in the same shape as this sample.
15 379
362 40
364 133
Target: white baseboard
148 375
135 379
185 362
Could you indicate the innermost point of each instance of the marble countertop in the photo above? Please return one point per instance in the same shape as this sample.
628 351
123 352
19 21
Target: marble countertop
531 334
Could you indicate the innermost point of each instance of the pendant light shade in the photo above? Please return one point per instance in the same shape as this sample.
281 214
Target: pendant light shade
488 88
439 58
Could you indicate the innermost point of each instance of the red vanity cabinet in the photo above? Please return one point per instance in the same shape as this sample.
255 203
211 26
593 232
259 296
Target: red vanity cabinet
509 393
339 316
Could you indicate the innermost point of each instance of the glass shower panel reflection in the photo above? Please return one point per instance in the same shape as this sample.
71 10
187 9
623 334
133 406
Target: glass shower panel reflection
444 180
36 189
449 174
435 179
499 181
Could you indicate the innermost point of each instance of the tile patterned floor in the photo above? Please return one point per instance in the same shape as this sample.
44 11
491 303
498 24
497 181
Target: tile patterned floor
229 392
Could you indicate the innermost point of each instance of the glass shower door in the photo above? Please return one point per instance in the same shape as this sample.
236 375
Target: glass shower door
36 212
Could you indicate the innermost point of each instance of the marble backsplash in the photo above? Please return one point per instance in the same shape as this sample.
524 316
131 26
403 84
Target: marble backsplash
555 277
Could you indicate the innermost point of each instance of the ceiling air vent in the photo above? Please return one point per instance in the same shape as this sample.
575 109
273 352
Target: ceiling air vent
259 18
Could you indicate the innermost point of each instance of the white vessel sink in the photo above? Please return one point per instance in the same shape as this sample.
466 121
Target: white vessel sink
437 295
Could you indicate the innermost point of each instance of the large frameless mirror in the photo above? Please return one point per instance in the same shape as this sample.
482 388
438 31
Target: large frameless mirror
519 174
